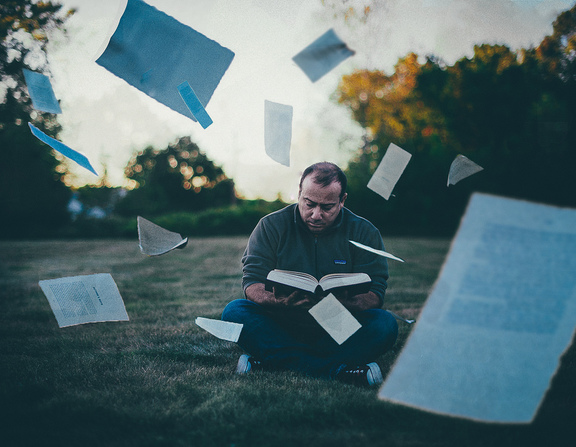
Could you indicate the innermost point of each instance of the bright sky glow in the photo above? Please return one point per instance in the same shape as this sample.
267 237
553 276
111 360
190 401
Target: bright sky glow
108 120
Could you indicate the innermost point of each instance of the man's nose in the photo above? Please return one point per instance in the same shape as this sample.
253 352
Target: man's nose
316 213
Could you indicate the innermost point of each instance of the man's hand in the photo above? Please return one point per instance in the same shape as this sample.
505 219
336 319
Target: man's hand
363 301
296 299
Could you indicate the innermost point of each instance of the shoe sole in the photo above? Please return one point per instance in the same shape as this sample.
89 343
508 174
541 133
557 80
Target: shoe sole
374 375
244 365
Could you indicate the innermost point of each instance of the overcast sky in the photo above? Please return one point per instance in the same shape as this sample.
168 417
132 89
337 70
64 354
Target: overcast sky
108 120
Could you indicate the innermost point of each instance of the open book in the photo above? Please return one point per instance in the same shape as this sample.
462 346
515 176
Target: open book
307 283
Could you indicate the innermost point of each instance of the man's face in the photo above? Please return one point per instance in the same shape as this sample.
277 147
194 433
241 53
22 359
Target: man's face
319 206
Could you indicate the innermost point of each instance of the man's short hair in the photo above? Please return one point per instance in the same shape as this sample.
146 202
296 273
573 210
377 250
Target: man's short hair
324 174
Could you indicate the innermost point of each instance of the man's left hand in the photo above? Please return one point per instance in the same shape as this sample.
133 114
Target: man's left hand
359 302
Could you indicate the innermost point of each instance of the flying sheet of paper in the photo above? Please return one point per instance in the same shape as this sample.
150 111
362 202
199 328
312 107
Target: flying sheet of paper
41 93
322 55
378 252
194 105
461 168
84 299
389 170
155 240
278 131
398 317
335 318
82 160
500 315
224 330
155 53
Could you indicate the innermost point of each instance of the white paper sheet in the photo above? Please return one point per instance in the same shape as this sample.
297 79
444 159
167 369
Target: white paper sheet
79 158
278 131
389 170
41 93
461 168
225 330
84 299
501 313
156 53
335 319
378 252
155 240
322 55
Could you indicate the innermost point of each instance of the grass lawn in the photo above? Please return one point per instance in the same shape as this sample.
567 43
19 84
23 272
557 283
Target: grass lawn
159 380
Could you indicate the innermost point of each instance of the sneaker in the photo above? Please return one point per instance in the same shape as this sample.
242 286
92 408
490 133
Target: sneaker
247 363
366 375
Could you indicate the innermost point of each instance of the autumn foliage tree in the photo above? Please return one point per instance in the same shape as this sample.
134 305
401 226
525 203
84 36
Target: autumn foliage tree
511 112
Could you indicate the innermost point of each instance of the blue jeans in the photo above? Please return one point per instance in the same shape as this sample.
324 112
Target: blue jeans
292 340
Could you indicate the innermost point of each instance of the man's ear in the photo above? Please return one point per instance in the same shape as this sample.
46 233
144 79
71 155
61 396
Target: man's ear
343 199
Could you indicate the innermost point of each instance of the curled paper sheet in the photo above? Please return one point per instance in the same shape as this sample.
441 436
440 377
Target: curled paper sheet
389 170
41 93
335 318
461 168
156 53
503 310
82 160
378 252
322 55
224 330
84 299
155 240
398 317
193 103
278 131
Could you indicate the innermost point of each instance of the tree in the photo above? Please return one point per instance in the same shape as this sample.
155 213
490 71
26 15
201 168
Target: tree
178 178
511 112
391 110
33 198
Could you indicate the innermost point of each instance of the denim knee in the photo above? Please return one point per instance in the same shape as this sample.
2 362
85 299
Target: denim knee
235 309
382 326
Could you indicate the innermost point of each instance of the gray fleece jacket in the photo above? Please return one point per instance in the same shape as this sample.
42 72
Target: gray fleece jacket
281 240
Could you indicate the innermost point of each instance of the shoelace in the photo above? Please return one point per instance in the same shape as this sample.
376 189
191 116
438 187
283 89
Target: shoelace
357 371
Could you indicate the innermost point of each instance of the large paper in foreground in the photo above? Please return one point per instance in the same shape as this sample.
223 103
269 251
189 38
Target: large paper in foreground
501 313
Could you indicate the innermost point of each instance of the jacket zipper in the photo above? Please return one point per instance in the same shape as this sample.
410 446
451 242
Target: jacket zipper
316 256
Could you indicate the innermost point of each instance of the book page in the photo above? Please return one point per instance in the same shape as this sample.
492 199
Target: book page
461 168
79 158
299 280
224 330
389 170
84 299
41 93
322 55
278 131
501 314
335 319
335 280
378 252
155 240
155 53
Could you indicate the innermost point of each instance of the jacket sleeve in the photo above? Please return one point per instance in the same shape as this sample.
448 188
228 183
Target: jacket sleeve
260 254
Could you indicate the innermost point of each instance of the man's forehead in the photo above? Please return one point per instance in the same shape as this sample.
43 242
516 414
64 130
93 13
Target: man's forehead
317 193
